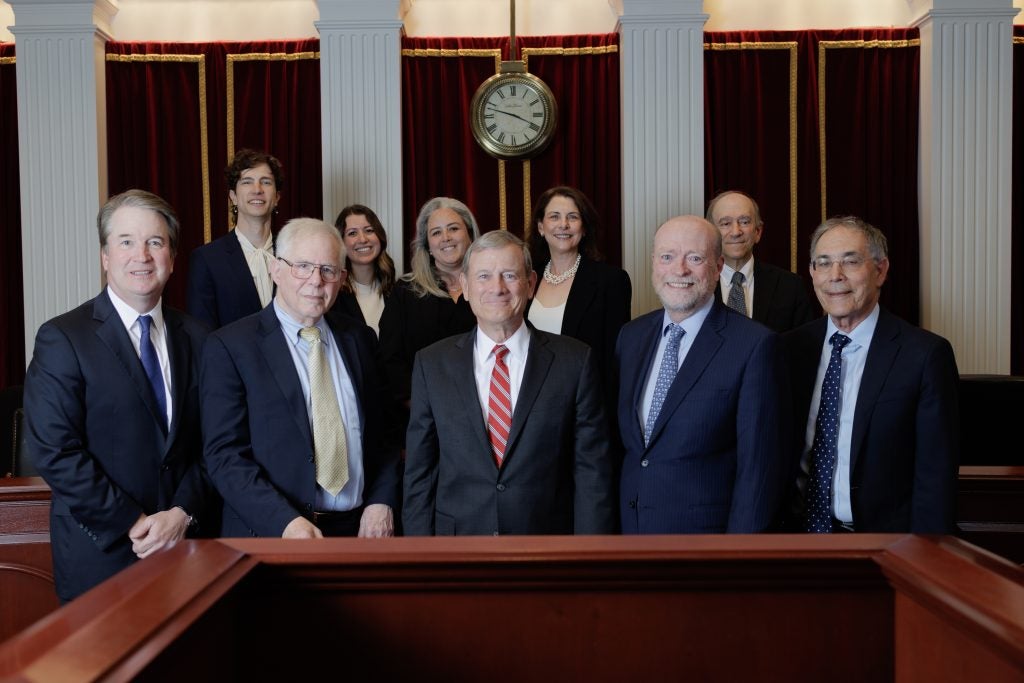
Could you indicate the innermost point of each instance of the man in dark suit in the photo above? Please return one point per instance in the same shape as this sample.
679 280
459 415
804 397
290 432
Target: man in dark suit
772 296
293 426
700 400
507 431
111 406
875 400
229 278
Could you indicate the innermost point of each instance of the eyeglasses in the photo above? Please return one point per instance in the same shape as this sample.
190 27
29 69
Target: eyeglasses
304 271
846 264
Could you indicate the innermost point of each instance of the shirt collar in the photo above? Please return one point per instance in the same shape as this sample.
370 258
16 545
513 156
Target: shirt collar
860 335
129 315
747 269
292 328
692 324
268 246
518 344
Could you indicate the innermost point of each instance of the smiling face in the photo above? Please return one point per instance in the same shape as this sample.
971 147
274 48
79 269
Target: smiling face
137 256
562 226
734 216
685 265
497 288
255 194
848 294
307 300
447 239
361 241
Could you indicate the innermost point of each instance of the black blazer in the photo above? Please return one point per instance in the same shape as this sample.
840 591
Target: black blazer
781 301
220 285
258 443
904 450
556 477
98 438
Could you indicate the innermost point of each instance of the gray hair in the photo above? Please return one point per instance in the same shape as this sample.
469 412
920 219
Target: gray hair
498 239
139 199
423 275
877 244
297 228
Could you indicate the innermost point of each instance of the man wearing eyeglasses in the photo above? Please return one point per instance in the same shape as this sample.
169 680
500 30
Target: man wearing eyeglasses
293 418
875 400
701 407
770 295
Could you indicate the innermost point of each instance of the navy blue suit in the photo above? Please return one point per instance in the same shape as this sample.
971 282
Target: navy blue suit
715 461
781 301
96 435
220 285
257 441
904 449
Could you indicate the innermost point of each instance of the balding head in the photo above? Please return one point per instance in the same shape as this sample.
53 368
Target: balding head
685 264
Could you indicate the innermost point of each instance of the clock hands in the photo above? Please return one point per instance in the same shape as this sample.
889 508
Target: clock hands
507 113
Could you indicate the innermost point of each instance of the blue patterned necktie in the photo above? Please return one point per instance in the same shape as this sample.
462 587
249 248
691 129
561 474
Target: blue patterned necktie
666 373
826 439
737 297
151 364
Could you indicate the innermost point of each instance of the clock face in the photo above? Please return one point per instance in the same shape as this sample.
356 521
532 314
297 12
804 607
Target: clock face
514 115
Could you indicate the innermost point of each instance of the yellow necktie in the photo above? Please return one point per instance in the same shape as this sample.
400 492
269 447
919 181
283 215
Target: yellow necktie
329 442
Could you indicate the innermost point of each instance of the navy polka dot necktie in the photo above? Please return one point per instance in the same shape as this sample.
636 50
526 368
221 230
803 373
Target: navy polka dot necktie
826 439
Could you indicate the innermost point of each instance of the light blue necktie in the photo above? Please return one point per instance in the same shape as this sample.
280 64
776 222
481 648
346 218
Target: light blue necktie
666 373
151 364
826 440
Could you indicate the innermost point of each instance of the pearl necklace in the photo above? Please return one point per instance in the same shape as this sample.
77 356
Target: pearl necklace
559 279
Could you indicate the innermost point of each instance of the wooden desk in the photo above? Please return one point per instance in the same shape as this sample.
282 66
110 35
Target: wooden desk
990 509
711 608
26 571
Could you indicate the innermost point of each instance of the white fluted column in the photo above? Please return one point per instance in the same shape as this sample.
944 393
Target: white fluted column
62 146
662 71
965 162
361 115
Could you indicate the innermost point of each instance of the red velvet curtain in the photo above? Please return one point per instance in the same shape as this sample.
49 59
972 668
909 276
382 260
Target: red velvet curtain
440 156
778 102
12 306
169 129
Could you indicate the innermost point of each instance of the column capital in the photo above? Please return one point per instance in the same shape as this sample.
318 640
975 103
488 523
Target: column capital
676 11
339 14
928 10
62 16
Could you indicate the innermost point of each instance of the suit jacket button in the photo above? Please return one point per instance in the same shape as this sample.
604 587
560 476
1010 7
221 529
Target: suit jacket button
632 504
643 463
165 468
311 458
309 507
501 487
495 533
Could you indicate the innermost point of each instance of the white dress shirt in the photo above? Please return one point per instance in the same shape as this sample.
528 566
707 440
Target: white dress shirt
547 319
725 280
483 364
351 496
691 326
157 334
854 359
371 303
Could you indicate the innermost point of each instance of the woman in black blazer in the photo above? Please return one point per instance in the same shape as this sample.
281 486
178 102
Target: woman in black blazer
371 271
577 294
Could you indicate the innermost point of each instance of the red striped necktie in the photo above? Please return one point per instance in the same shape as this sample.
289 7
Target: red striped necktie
499 405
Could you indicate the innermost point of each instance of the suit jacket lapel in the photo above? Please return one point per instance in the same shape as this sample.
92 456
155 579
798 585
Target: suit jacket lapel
112 332
765 283
580 295
881 354
239 269
703 349
465 389
279 359
538 362
651 337
180 354
350 356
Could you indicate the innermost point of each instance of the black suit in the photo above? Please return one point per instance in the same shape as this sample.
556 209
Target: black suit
556 477
781 301
221 288
904 449
258 442
98 438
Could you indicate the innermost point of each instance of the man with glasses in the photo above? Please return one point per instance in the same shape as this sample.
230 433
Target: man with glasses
701 409
875 400
293 416
770 295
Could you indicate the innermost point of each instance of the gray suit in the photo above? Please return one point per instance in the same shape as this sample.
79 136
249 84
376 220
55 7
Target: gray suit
556 477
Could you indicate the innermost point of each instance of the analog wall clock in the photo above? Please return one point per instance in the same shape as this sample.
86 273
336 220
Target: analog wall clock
514 115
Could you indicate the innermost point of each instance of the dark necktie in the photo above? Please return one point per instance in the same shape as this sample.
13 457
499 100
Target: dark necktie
666 373
737 298
825 444
499 405
151 364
